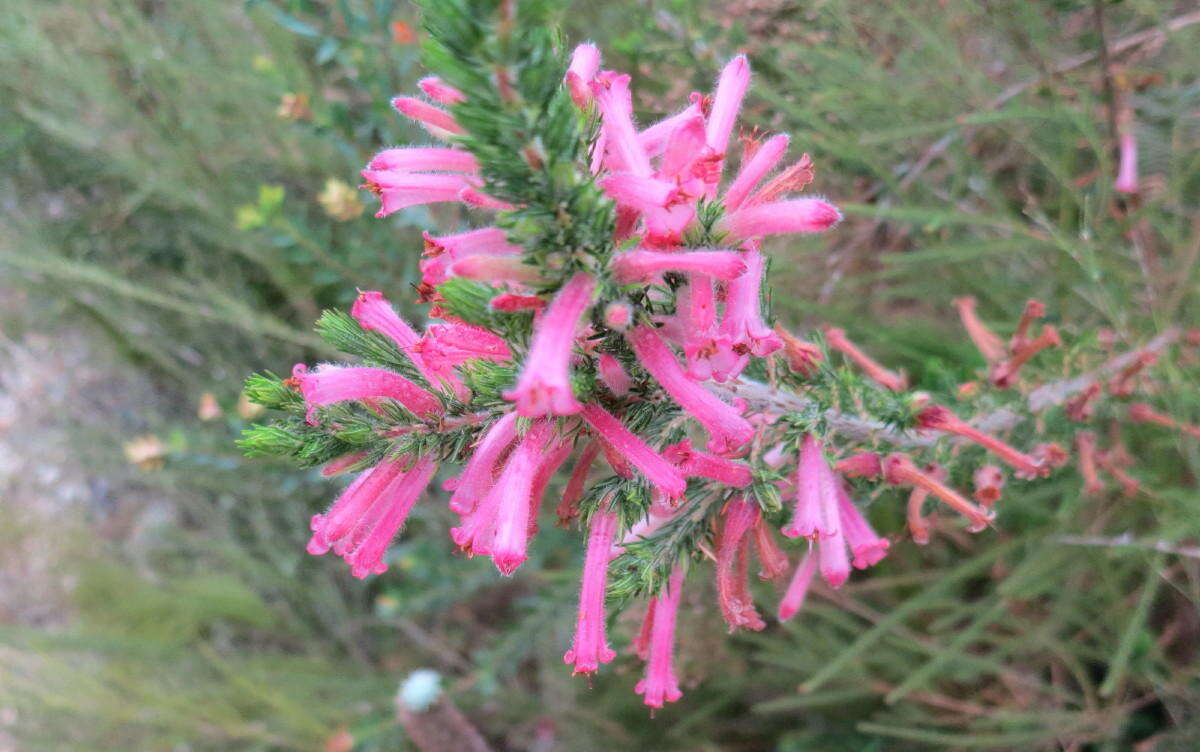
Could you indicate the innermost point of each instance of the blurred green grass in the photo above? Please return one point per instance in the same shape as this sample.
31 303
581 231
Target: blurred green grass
137 133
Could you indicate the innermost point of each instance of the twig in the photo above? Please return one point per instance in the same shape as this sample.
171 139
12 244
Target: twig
1126 540
1133 40
762 398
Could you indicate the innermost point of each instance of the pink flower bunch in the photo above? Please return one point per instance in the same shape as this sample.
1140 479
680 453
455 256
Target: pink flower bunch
593 356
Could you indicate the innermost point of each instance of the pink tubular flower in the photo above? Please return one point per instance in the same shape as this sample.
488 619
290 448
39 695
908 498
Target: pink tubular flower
1140 412
1127 172
385 519
661 474
780 217
704 465
639 192
618 315
991 346
613 375
772 558
433 119
330 384
743 323
938 418
803 357
1034 310
918 525
793 598
887 379
733 594
544 387
616 116
488 268
653 139
585 61
424 159
1080 407
514 489
900 471
488 240
834 560
659 686
373 312
1085 444
454 344
727 429
440 91
816 511
568 506
1004 373
727 100
1122 384
341 464
352 504
400 190
511 303
641 265
989 485
753 170
590 647
863 464
866 545
476 478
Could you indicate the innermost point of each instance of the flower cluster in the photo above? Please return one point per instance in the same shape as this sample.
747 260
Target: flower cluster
628 361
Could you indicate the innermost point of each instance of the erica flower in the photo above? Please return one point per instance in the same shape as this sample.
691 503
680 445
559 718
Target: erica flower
743 323
658 471
989 485
590 648
1122 384
1080 407
659 686
918 524
733 547
863 464
1085 445
633 266
440 91
585 61
476 479
1034 310
437 121
366 516
772 558
725 426
544 387
1127 171
568 506
900 471
331 384
704 465
988 343
1140 412
887 379
816 511
369 540
866 545
803 357
797 591
940 418
506 538
1005 372
800 215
